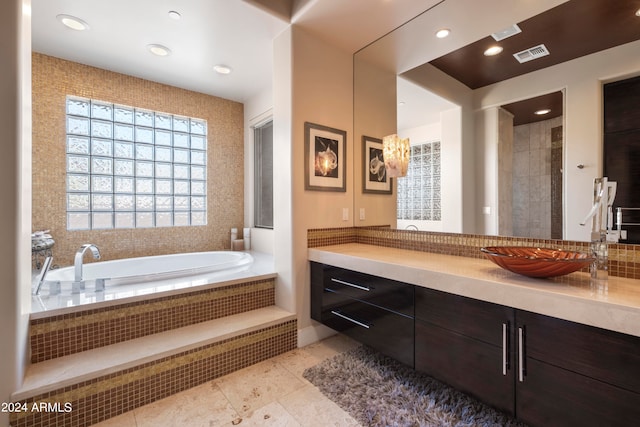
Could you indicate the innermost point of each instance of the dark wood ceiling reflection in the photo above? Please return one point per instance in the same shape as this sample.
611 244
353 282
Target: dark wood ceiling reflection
524 111
571 30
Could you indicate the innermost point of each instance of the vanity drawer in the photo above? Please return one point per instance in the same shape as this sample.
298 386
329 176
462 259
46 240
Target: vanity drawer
388 332
385 293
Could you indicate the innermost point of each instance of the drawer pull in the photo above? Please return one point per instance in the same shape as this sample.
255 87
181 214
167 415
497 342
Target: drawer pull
505 354
342 282
337 313
521 354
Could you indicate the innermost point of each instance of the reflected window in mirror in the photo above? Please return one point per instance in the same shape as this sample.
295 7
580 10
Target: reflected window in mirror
419 197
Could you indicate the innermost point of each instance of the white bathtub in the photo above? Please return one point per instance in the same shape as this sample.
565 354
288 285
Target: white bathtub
144 278
148 269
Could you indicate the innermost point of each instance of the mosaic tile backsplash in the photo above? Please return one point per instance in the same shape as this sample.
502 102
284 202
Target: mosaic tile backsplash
624 260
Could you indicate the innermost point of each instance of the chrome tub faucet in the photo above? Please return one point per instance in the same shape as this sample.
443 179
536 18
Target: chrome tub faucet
78 282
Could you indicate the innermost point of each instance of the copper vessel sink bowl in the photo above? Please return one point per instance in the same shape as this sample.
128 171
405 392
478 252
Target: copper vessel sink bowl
537 262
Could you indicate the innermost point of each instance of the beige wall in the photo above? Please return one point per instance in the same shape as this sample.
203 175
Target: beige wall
53 80
15 187
459 162
313 83
505 173
374 116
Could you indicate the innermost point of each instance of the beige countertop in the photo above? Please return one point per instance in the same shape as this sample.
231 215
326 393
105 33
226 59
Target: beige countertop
613 304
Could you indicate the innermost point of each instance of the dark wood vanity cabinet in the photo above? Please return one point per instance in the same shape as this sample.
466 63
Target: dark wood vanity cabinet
375 311
467 344
574 374
543 370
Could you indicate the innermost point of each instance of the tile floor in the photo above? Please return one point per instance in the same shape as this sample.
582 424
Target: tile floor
270 393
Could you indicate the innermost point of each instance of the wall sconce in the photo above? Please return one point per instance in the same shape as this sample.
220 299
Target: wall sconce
396 155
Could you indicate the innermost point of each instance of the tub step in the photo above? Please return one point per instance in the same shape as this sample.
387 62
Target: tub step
62 332
103 382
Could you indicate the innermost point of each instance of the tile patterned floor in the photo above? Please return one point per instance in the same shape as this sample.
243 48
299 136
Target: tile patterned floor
270 393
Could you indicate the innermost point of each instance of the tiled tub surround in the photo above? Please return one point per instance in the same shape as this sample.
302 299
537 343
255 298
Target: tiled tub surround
105 357
66 334
613 305
624 260
69 324
53 80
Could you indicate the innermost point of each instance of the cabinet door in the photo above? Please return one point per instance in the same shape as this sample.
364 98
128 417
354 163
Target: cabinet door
573 374
468 344
552 396
465 363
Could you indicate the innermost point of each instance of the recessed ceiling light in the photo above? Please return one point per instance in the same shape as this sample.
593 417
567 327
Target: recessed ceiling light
444 32
174 15
159 50
493 50
73 22
543 112
222 69
638 12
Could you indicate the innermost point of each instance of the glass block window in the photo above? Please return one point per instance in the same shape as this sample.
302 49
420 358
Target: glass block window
133 168
419 191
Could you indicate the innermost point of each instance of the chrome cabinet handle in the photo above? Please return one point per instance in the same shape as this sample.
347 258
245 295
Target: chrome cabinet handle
505 353
337 313
342 282
521 354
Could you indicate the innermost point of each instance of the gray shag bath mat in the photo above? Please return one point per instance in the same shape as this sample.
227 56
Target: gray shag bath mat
379 391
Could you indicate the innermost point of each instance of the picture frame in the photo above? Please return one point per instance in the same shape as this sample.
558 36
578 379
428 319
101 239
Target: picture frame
374 176
325 158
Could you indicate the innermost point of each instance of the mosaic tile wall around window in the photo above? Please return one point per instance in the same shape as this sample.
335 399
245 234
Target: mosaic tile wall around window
53 80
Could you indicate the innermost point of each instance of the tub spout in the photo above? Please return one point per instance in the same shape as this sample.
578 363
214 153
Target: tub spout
78 259
45 269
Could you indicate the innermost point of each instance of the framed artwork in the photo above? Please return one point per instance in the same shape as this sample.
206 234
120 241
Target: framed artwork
325 158
375 178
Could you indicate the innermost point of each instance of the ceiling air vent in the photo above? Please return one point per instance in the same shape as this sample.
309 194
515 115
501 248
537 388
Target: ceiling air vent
531 53
507 32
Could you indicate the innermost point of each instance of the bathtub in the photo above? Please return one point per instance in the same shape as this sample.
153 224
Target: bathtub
150 268
145 278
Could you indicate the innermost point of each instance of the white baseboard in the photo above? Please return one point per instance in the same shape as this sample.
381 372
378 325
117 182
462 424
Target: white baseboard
313 333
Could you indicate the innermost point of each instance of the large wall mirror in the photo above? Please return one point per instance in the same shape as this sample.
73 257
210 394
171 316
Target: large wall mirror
482 164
